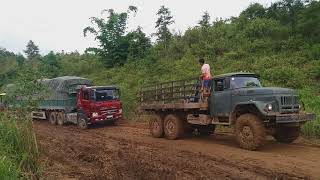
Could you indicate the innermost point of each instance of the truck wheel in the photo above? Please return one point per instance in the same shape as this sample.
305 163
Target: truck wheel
287 134
60 118
156 126
250 132
53 118
207 130
82 123
173 127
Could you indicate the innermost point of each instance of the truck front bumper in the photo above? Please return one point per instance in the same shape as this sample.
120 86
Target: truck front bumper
101 119
295 118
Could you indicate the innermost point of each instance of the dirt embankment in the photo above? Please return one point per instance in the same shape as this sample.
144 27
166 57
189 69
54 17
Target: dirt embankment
129 152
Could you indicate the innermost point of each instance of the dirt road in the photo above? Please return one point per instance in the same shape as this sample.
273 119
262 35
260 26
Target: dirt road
129 152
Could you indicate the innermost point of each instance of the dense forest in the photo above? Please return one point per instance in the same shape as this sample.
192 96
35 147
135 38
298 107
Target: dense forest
280 42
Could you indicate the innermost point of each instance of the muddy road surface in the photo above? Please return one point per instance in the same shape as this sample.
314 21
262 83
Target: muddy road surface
127 151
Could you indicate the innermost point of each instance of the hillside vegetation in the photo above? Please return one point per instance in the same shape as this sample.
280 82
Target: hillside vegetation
280 42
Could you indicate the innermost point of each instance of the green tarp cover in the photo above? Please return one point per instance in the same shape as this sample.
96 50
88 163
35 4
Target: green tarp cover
60 88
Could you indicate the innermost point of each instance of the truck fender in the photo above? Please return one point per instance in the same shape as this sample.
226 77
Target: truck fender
254 107
82 112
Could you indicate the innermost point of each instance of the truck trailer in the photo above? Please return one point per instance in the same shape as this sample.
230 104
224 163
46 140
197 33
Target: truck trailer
235 99
75 100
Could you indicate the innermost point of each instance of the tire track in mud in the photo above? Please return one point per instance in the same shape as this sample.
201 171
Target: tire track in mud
125 152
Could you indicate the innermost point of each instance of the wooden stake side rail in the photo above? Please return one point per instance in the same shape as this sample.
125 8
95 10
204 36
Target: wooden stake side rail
175 106
183 94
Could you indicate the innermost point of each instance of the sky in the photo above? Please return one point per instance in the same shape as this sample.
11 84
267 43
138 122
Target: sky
58 24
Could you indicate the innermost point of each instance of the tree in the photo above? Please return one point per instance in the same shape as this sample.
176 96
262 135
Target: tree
255 10
165 19
205 21
32 50
20 60
139 44
50 65
110 33
309 22
286 11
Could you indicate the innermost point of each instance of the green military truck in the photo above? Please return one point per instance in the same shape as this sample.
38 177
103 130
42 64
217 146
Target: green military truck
236 99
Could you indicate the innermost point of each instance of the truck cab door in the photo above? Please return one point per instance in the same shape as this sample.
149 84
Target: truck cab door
85 103
220 100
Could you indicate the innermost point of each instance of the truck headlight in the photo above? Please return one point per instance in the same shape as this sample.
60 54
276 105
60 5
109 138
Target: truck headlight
95 114
269 107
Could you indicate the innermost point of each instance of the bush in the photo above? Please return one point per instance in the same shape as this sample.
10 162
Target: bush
312 104
18 146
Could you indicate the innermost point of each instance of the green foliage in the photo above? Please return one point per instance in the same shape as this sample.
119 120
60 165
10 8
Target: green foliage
50 65
18 145
309 21
116 47
312 104
255 10
32 50
205 21
165 19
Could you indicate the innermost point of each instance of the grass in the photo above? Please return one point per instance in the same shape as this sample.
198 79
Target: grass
18 147
311 100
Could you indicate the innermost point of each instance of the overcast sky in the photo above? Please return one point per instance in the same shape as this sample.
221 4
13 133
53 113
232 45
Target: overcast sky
58 24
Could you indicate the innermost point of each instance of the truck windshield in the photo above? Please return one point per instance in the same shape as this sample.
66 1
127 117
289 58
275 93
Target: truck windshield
244 82
106 94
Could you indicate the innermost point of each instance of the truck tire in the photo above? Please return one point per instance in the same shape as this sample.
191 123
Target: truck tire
207 130
53 118
82 121
250 132
60 118
156 126
173 127
287 134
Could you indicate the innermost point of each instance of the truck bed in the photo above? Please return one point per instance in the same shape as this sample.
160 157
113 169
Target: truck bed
182 94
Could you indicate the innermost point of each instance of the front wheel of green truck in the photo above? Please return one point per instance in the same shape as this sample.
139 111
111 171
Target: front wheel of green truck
156 126
173 127
287 134
250 131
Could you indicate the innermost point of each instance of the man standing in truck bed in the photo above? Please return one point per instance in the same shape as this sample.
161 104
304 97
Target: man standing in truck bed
205 78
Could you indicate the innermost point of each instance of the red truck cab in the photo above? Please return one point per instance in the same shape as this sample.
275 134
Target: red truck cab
99 104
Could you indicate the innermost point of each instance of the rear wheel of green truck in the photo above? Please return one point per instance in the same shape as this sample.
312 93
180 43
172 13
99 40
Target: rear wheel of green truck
250 132
60 118
287 134
53 118
156 126
173 127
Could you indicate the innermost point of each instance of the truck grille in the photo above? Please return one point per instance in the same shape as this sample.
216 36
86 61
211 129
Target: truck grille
289 104
109 111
